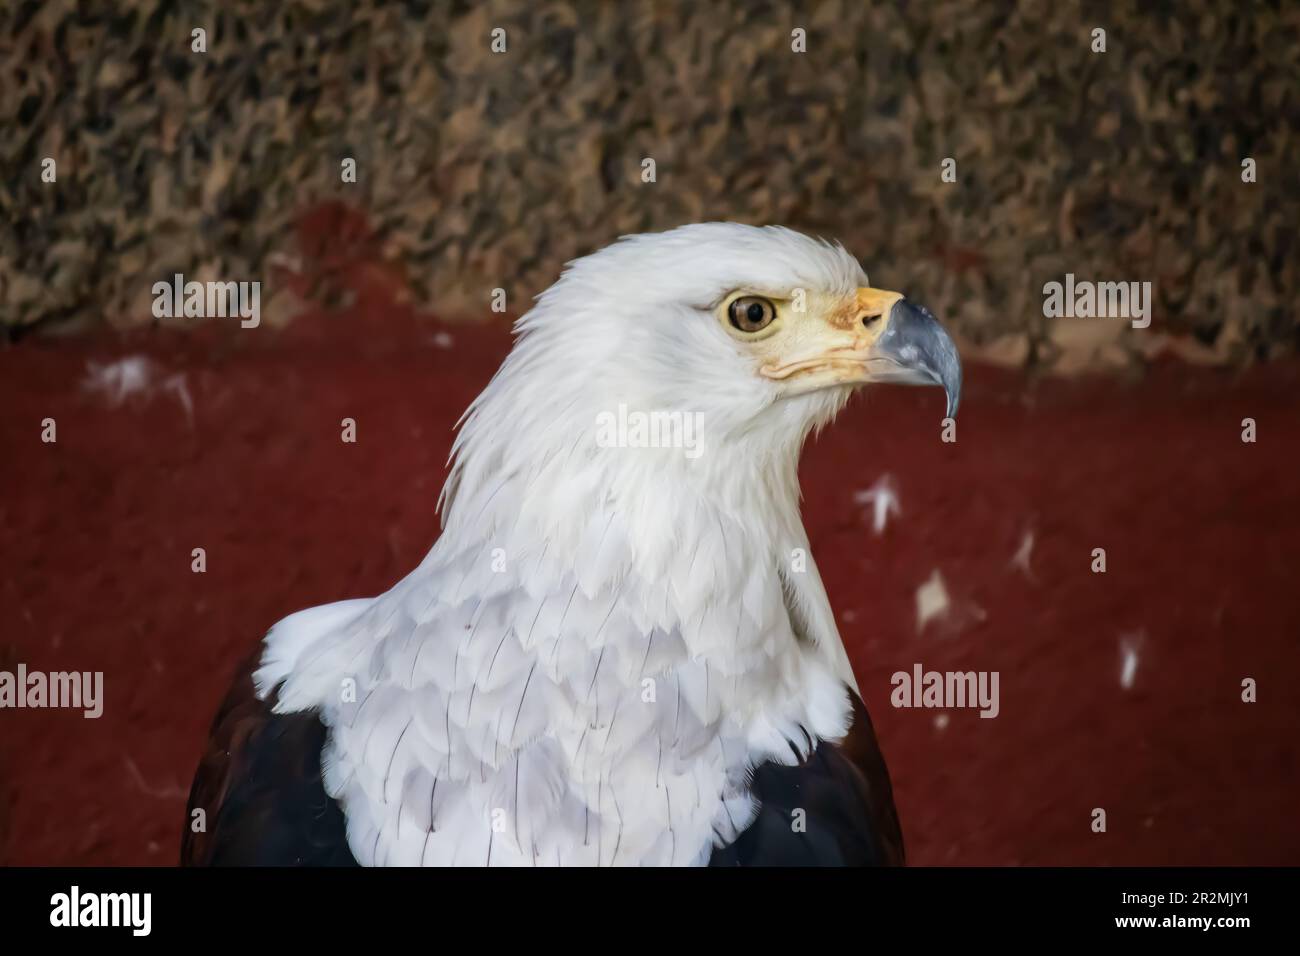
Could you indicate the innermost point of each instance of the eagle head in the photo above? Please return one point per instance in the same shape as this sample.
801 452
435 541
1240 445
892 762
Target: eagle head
742 338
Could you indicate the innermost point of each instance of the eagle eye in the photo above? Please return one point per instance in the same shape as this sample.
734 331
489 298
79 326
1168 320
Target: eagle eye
749 313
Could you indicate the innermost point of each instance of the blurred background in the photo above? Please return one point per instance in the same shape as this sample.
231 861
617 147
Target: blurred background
1168 158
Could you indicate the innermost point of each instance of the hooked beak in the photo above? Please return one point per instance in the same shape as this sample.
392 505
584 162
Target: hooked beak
878 336
914 349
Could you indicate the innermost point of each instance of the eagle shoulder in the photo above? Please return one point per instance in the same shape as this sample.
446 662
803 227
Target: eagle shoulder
259 787
833 808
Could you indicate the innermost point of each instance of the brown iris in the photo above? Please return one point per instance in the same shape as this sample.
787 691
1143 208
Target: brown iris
751 314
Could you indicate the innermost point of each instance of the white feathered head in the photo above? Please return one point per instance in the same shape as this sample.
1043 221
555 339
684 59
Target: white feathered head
678 369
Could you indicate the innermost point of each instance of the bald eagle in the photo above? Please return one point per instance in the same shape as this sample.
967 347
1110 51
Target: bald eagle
619 651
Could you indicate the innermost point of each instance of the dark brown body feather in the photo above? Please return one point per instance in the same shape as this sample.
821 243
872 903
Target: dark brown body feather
259 785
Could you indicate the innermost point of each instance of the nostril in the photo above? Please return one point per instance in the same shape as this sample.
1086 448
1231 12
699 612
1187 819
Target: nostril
869 320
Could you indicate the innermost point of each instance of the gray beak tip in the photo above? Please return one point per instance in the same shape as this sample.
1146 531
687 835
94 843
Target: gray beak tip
950 379
916 342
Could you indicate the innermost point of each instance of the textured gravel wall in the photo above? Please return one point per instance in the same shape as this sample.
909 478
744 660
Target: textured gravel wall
478 170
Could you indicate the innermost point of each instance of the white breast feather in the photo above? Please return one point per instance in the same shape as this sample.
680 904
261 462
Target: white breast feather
518 729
